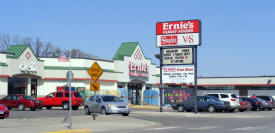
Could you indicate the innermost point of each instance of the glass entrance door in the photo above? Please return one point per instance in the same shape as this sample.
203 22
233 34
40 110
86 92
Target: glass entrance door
134 90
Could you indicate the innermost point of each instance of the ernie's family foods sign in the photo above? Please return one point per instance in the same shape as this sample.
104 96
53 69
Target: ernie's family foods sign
178 33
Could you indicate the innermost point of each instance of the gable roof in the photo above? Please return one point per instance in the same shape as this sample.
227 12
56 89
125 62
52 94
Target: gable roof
17 50
125 49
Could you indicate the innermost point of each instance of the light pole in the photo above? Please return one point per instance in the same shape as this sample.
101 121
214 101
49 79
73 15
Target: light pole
159 56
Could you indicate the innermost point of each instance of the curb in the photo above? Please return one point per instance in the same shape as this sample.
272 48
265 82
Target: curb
143 107
73 131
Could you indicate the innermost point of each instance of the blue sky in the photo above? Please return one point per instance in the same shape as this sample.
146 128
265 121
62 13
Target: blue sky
238 36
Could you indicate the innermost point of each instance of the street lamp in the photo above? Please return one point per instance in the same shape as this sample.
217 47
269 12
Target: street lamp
158 56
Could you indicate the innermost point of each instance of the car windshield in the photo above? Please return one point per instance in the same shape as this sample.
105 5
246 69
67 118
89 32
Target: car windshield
28 97
76 94
234 96
215 99
110 99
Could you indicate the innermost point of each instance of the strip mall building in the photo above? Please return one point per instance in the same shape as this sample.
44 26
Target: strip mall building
22 72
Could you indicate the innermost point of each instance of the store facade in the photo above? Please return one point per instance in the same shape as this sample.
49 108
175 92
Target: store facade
22 72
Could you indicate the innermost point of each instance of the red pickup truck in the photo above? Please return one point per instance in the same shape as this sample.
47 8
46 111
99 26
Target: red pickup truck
61 99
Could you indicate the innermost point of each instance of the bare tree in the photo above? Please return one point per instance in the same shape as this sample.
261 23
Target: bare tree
41 49
26 41
5 42
47 50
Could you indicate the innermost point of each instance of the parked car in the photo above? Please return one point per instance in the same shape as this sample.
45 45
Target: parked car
266 105
4 111
21 101
209 103
268 98
254 102
228 97
244 105
61 99
106 104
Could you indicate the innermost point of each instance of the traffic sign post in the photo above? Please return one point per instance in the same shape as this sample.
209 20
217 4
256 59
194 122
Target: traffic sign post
95 72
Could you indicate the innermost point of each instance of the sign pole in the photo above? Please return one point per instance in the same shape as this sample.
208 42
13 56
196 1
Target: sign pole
195 80
69 80
161 86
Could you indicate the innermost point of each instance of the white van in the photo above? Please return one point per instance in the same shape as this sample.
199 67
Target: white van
228 97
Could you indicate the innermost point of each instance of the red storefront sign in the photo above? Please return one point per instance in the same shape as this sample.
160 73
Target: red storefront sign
179 27
178 33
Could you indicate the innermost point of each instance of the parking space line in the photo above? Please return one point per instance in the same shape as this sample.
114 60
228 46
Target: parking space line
160 128
248 128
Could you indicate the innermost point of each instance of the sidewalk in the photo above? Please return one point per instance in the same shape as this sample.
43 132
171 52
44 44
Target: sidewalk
103 123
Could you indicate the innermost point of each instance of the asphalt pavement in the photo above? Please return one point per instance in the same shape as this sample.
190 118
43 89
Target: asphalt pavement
141 119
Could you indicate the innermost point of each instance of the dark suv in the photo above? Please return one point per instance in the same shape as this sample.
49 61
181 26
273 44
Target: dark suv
269 99
208 103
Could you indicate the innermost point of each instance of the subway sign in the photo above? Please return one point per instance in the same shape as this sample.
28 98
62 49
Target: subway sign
177 56
178 33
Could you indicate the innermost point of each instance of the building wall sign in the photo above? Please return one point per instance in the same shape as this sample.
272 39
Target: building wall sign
178 33
27 67
178 74
177 56
138 70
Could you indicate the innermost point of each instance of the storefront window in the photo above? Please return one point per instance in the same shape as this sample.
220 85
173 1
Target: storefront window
216 87
263 88
17 85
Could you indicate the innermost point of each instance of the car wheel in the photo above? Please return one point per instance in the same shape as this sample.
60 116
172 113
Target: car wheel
87 111
48 107
9 108
231 110
65 105
211 108
33 109
270 109
180 108
125 114
104 112
21 107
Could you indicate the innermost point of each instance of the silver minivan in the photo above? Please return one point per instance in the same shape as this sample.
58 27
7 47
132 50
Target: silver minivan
106 104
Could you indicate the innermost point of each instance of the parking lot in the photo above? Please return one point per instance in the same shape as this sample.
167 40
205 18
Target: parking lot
137 110
140 119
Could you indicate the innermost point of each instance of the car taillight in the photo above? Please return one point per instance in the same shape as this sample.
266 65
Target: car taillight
233 99
257 102
272 102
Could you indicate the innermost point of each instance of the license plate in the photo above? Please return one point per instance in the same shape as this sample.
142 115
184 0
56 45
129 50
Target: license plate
122 109
1 112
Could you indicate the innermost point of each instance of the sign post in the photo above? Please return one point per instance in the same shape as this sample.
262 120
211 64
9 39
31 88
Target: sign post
69 77
95 72
178 41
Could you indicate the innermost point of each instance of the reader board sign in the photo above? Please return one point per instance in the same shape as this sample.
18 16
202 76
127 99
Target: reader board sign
178 33
177 56
178 95
178 74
